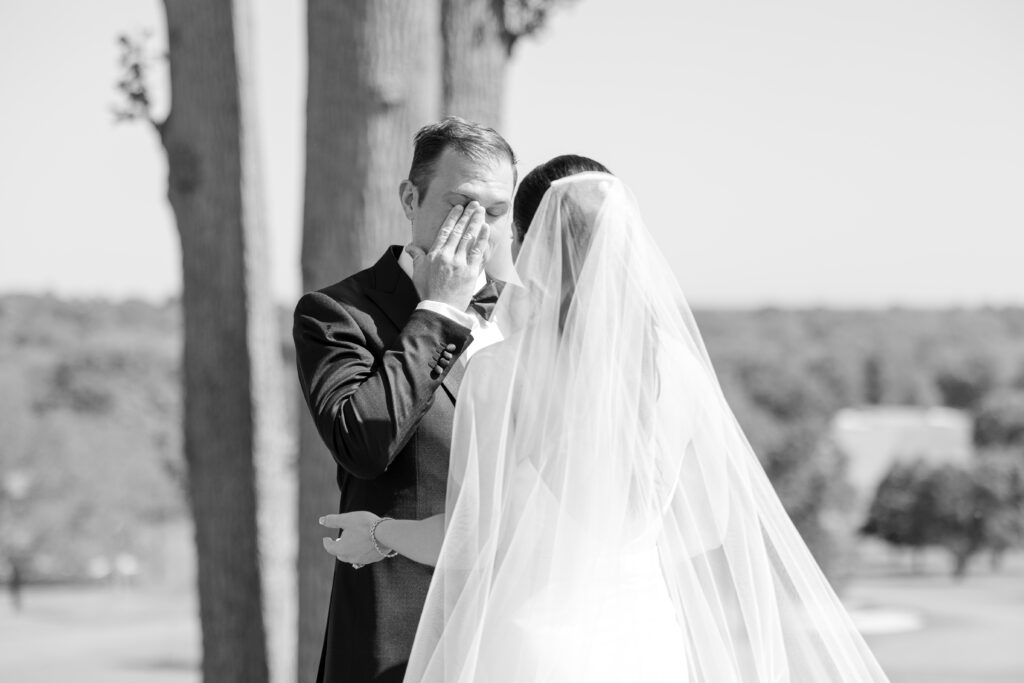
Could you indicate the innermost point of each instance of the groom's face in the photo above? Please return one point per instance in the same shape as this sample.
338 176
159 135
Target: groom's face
458 180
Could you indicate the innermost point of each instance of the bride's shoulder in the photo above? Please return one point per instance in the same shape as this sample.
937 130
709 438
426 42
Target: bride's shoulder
489 365
498 352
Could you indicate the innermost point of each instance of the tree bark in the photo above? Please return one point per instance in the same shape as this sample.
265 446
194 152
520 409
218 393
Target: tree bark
961 560
275 443
373 81
475 54
233 418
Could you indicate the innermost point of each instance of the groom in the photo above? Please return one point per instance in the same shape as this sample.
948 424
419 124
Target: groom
380 356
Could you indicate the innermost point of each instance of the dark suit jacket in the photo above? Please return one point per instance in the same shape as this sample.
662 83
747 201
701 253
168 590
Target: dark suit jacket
382 395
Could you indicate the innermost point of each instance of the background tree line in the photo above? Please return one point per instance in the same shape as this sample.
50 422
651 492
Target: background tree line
963 508
94 404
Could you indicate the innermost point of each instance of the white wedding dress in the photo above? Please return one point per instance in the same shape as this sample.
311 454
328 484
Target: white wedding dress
625 629
606 519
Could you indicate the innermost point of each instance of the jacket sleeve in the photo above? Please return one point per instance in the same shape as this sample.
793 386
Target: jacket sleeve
364 409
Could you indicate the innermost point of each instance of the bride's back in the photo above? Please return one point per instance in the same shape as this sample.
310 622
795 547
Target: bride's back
602 492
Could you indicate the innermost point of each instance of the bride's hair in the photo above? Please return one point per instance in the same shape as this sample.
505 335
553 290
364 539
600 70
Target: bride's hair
537 182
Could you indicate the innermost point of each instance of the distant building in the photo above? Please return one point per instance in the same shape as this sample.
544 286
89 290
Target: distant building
876 436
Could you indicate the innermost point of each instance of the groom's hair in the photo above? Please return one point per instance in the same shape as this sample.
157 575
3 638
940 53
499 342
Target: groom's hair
469 139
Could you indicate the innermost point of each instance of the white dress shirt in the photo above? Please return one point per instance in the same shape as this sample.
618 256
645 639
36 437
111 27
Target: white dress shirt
485 332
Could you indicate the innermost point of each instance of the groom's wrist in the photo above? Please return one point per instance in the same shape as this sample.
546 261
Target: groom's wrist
448 311
433 340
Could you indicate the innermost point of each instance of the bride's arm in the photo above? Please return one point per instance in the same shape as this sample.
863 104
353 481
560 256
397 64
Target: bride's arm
419 540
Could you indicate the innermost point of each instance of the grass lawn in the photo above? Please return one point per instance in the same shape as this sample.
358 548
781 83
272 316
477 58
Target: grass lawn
100 635
972 632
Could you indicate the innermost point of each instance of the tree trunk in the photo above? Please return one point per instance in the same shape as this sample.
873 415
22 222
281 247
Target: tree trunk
233 417
915 560
475 53
961 560
996 558
373 81
274 440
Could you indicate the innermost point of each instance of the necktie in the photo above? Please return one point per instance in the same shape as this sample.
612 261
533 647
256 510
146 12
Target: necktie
484 300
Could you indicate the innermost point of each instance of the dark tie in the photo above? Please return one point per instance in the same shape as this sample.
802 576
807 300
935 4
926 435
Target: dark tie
484 300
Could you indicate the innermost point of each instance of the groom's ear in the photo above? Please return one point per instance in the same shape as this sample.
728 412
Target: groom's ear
409 196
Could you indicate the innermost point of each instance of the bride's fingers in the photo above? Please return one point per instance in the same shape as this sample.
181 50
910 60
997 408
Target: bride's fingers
337 548
330 545
338 521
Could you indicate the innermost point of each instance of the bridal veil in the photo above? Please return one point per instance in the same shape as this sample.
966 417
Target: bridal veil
605 513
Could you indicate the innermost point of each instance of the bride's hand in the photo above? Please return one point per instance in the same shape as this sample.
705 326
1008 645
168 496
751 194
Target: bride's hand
355 545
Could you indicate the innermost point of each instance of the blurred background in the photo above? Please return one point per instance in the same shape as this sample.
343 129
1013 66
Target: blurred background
837 187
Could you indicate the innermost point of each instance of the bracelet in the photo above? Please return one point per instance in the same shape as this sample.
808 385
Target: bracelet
376 543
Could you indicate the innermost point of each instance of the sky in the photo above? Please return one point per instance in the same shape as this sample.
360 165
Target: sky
791 153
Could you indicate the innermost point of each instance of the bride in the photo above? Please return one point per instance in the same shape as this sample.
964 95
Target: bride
606 519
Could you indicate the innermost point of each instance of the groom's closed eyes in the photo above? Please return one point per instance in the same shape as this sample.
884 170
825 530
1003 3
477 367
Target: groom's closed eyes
494 210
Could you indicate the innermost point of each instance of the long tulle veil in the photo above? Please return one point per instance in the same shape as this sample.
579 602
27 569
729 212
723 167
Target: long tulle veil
595 430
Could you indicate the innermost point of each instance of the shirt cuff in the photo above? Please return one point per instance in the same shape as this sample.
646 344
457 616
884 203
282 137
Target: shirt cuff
463 318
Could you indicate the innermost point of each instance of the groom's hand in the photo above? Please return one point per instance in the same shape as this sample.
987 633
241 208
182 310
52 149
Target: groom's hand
449 272
354 545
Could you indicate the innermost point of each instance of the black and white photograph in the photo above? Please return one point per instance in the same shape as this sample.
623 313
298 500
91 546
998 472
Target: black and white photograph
512 341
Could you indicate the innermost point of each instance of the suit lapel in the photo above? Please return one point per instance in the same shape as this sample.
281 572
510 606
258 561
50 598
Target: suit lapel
395 294
392 289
